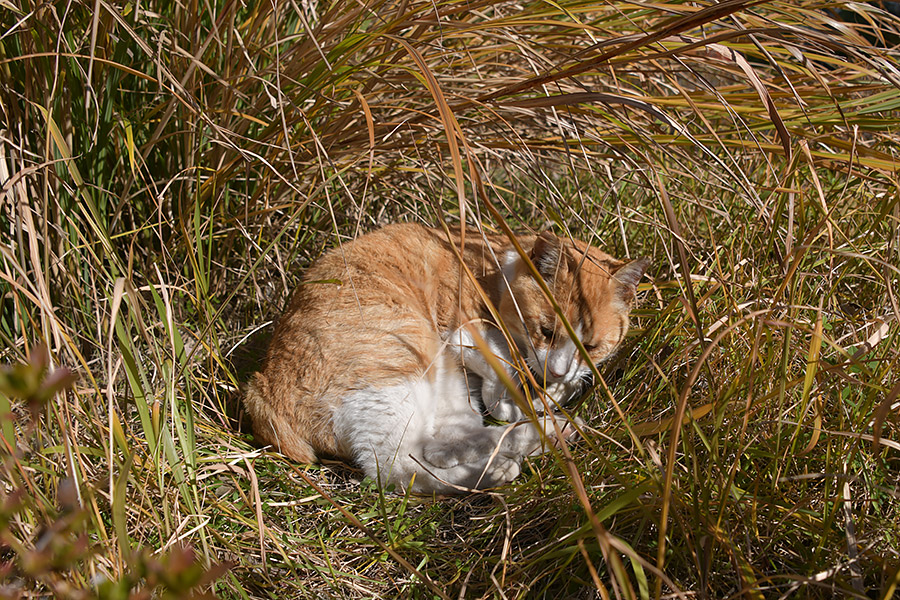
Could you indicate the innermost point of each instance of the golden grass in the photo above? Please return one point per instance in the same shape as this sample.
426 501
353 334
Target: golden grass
168 169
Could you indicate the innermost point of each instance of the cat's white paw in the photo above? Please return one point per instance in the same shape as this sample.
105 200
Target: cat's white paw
568 431
559 391
442 456
506 410
497 402
501 470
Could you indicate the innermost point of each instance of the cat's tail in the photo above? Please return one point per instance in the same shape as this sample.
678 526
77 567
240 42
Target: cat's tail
271 426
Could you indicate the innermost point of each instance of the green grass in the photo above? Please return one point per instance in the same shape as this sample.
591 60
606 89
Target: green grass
168 169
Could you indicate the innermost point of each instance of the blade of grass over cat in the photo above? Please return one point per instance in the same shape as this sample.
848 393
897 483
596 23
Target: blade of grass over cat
600 532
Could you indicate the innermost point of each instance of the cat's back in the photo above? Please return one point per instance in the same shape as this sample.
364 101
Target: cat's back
408 248
394 250
402 263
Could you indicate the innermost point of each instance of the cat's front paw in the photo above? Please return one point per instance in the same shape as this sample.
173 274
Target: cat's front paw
442 456
502 469
562 432
562 392
506 410
445 454
498 403
568 432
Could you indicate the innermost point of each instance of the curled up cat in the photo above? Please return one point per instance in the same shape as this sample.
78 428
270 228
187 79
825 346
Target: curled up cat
369 361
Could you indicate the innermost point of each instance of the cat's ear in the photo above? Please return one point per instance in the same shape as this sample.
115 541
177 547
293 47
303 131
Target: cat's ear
546 255
627 277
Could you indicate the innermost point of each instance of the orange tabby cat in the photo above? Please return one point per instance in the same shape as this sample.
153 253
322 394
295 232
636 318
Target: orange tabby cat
368 362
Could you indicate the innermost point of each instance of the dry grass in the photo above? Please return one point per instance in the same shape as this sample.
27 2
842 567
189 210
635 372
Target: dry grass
168 169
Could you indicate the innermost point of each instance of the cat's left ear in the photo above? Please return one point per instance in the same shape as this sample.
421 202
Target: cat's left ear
627 277
546 255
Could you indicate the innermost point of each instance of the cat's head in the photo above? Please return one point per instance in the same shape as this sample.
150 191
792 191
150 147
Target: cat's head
595 293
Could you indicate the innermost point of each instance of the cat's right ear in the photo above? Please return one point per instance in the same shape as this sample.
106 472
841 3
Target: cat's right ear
627 277
546 255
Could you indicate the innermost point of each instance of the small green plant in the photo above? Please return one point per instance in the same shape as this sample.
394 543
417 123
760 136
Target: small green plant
44 544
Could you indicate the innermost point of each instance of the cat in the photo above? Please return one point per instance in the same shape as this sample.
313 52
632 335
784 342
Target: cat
368 362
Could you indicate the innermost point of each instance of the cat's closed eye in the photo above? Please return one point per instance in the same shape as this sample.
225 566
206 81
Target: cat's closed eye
547 332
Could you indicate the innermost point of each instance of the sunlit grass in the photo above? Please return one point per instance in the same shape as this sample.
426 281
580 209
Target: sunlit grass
167 170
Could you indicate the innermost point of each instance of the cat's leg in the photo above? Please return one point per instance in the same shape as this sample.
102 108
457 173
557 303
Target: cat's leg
475 456
462 451
469 443
487 472
380 427
386 428
423 434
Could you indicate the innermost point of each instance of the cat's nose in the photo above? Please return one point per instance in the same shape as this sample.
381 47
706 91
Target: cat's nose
552 372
